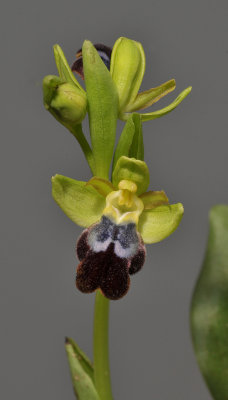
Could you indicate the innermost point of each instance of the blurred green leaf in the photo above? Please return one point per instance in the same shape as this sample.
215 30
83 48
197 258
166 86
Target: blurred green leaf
209 309
102 99
82 383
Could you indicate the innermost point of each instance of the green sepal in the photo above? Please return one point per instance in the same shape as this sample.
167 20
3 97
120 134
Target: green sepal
168 109
154 199
79 201
82 358
158 223
63 67
102 186
151 96
127 68
83 385
102 108
132 170
131 140
209 308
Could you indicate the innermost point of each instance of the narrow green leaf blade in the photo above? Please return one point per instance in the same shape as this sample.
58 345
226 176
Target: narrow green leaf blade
137 147
102 108
79 201
82 358
125 141
168 109
63 67
151 96
159 222
209 308
82 383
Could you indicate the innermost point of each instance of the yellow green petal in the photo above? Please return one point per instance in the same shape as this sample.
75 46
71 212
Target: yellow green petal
158 223
151 96
103 186
168 109
153 199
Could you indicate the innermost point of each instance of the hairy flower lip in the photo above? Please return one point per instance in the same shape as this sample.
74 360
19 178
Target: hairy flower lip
104 52
108 254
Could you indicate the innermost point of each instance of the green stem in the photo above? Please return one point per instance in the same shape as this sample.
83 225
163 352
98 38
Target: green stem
100 347
79 135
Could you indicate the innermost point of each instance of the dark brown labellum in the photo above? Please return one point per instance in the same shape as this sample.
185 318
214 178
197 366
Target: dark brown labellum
104 52
109 253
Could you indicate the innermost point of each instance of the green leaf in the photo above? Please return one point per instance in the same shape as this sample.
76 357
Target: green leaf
133 170
82 383
151 96
63 67
131 140
102 186
153 199
80 202
209 308
102 99
125 141
127 68
166 110
158 223
82 358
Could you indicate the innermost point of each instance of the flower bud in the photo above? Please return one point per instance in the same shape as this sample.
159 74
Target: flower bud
65 101
127 69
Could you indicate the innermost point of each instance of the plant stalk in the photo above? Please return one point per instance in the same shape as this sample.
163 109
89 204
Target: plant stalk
101 347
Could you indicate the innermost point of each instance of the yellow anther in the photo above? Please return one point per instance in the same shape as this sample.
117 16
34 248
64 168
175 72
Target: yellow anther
128 185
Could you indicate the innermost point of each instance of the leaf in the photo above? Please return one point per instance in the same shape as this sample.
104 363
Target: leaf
82 383
137 147
158 223
125 141
151 96
168 109
82 358
63 67
131 140
102 186
102 108
209 308
133 170
153 199
80 202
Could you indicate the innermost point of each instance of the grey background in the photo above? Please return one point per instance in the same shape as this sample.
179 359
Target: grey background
150 346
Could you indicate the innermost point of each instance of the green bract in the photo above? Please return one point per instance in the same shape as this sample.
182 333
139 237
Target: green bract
84 203
127 69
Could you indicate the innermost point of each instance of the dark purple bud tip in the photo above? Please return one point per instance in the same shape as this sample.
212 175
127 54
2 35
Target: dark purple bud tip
104 52
109 253
67 340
